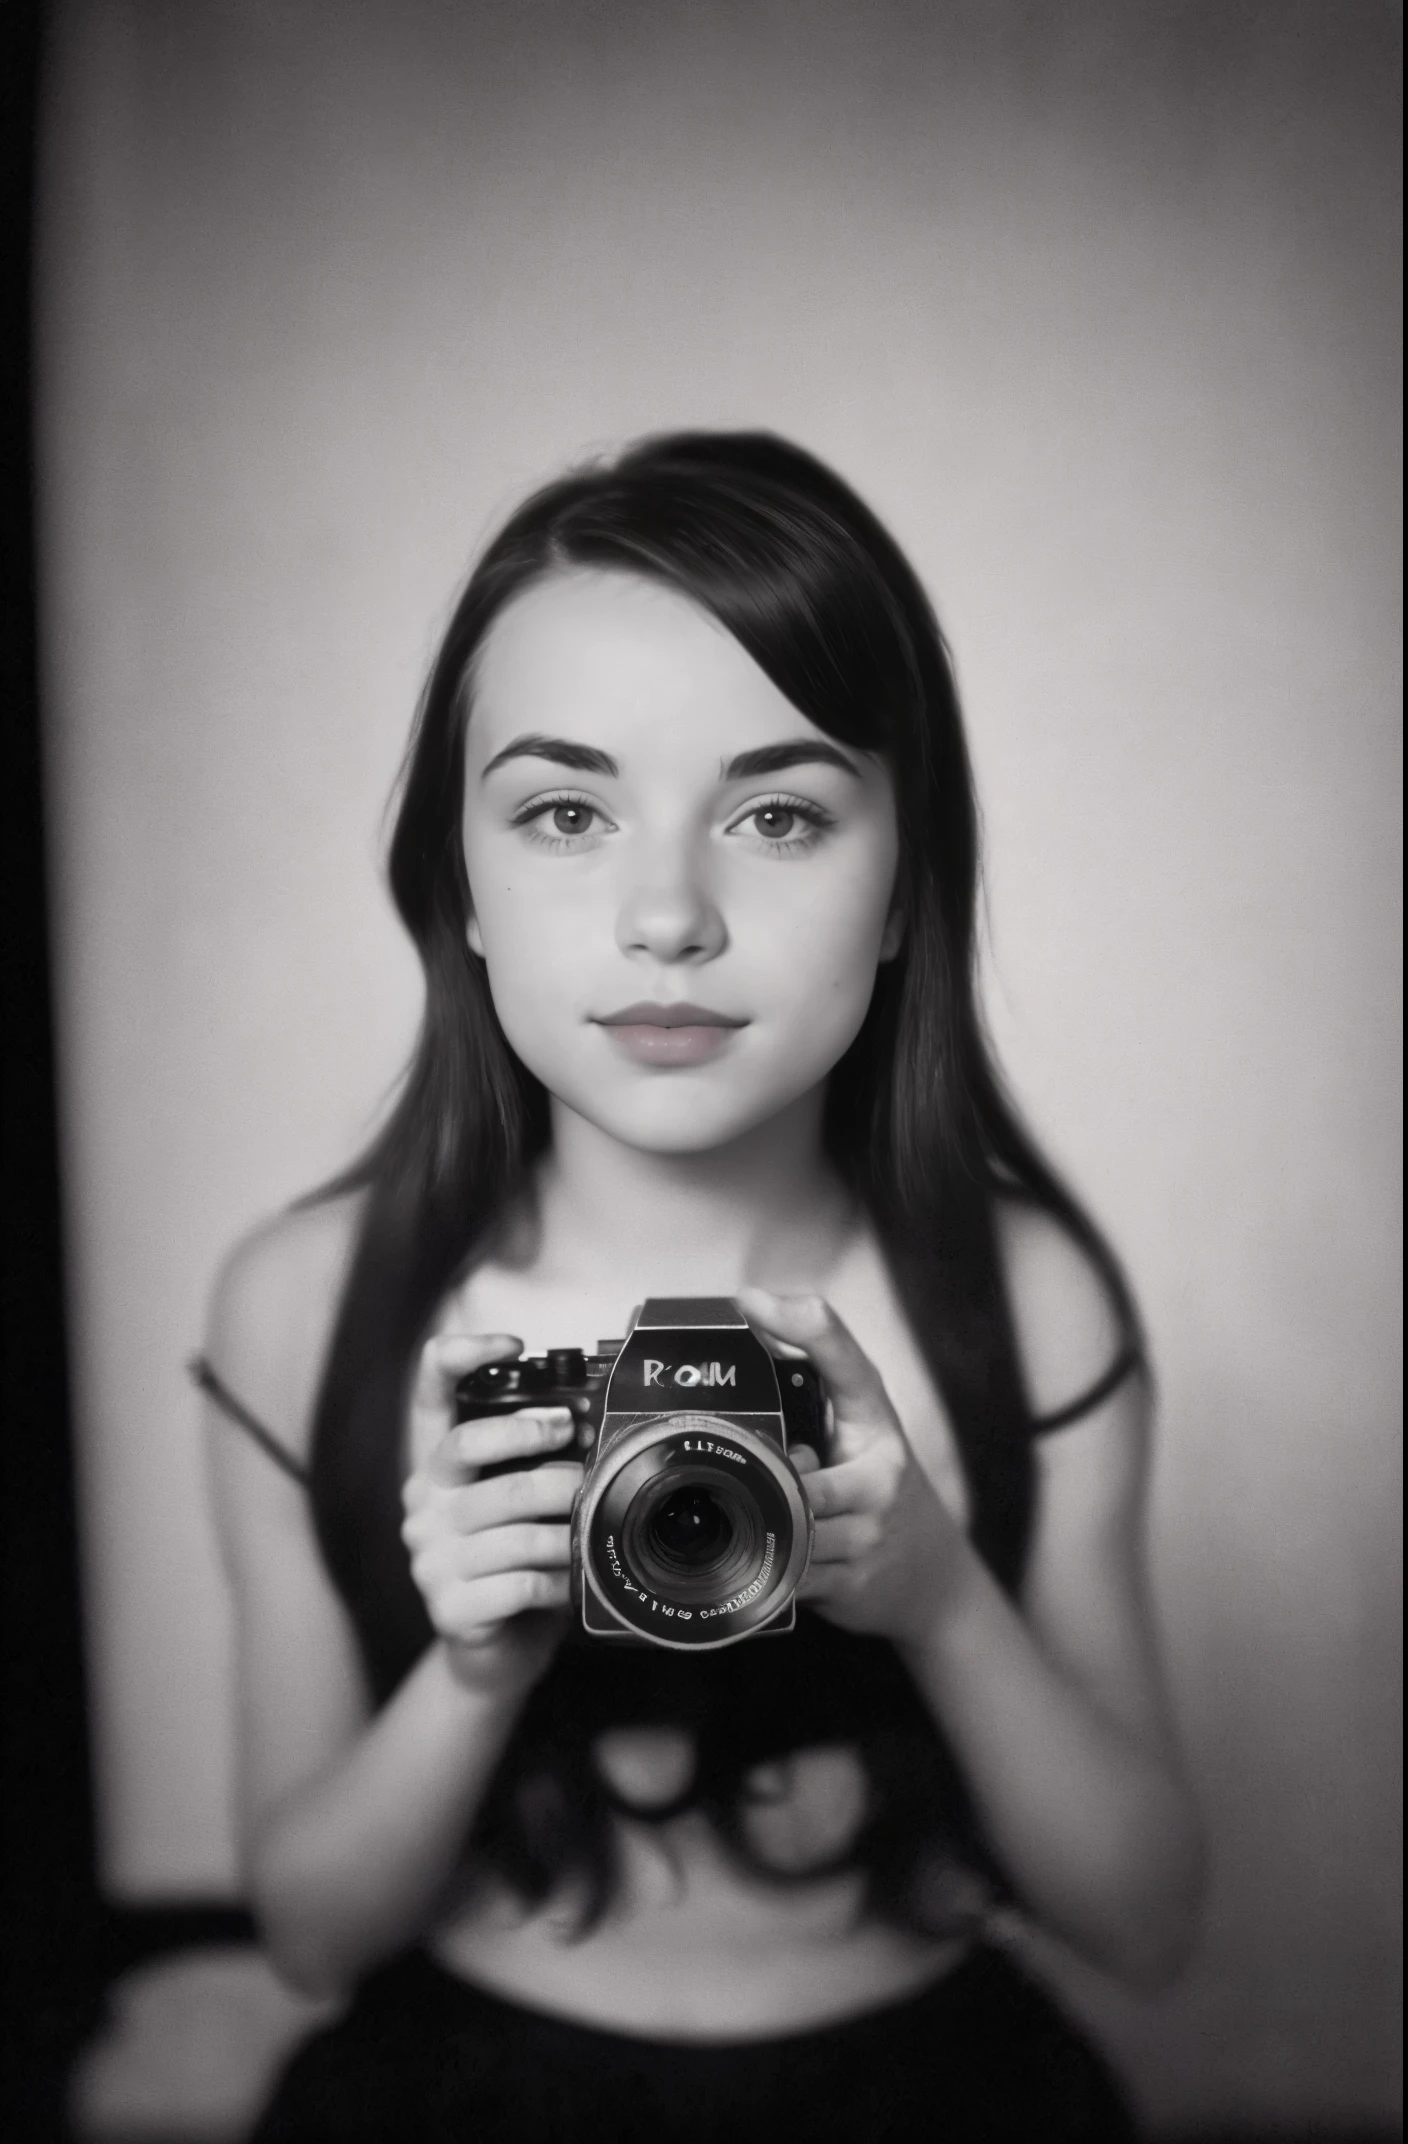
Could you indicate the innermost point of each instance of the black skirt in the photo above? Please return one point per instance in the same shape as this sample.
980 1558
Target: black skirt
423 2057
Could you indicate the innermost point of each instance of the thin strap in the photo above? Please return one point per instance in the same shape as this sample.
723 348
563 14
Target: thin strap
1129 1359
225 1400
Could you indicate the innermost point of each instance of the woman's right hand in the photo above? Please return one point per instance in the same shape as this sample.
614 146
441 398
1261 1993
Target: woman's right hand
490 1557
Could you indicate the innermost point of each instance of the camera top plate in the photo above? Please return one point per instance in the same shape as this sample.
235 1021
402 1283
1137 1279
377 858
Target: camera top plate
690 1353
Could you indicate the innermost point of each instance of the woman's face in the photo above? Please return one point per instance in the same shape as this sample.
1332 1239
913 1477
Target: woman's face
681 887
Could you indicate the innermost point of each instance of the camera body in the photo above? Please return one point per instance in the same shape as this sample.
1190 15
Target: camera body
692 1529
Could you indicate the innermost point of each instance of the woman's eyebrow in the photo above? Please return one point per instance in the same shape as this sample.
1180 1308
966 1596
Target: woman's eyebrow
776 758
584 758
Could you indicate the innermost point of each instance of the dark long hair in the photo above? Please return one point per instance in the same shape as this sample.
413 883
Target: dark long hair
797 568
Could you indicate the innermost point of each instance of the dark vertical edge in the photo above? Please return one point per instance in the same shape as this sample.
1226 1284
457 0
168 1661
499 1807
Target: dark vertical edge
52 1945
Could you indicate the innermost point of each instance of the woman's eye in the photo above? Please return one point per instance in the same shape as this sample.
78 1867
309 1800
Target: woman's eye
560 822
785 823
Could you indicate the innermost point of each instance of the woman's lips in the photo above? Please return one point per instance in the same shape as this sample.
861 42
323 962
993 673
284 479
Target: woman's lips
667 1035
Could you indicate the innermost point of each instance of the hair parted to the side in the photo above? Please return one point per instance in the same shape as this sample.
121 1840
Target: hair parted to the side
798 569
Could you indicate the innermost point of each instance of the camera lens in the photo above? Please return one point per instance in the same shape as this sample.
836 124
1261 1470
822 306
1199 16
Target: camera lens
697 1535
690 1526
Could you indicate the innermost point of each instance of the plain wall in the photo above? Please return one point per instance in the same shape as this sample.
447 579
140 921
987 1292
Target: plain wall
1097 305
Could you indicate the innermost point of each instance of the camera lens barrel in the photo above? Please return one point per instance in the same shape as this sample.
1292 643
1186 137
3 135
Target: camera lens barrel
695 1532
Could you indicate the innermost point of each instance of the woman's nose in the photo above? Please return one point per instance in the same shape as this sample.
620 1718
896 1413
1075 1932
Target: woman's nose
669 913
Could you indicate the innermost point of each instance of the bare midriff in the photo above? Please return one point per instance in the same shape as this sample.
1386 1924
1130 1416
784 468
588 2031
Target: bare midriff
693 1949
692 1946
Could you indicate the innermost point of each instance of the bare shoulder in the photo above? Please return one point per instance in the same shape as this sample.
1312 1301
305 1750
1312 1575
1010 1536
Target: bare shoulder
1069 1328
272 1308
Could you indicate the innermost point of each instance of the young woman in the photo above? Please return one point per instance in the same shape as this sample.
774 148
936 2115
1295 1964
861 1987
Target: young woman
687 845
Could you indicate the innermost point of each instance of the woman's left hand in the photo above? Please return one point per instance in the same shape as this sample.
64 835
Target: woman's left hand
888 1553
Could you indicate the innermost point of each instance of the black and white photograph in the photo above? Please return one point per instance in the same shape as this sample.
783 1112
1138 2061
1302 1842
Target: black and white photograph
705 1356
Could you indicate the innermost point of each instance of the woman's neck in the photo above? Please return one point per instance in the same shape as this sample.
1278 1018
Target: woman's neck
766 1209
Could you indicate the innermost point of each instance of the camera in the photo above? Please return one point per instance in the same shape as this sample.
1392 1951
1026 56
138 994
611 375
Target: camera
691 1529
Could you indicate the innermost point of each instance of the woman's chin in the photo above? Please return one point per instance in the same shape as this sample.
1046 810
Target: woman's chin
680 1123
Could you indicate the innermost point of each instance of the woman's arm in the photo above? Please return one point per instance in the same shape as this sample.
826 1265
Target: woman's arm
1057 1713
1058 1717
349 1822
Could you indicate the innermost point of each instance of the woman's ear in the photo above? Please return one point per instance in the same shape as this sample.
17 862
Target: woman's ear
892 937
473 935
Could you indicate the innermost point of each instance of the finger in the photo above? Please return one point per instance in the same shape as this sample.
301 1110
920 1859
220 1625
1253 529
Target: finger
854 1485
435 1510
803 1458
524 1434
546 1492
844 1540
852 1381
458 1453
524 1547
470 1609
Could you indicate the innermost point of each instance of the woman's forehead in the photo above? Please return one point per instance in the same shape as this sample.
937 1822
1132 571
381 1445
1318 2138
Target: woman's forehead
603 657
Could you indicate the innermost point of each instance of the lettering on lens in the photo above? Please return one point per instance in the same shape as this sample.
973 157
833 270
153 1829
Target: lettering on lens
749 1593
689 1374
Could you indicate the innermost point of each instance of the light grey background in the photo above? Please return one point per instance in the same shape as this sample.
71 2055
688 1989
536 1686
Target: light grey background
1097 304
